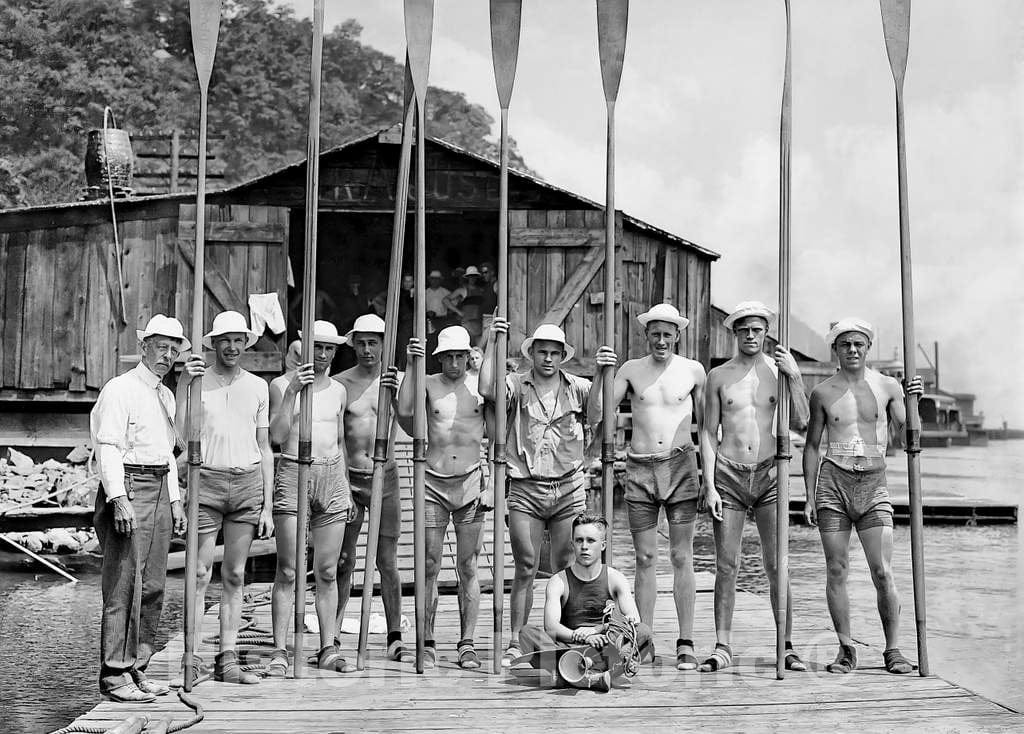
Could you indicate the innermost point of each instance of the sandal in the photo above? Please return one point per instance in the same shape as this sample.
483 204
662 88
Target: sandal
793 661
720 659
468 659
895 662
151 686
227 670
845 662
429 655
330 659
512 652
278 666
685 660
129 693
398 652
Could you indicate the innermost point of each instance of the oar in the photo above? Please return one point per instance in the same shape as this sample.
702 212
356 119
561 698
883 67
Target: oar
305 448
419 27
36 557
612 18
380 444
782 453
204 16
506 17
896 26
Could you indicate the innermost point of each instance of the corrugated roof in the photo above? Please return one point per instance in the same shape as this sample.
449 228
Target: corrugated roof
627 219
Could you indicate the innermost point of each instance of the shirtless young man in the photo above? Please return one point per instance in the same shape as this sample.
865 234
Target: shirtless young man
575 602
740 469
666 393
547 410
328 495
848 489
455 487
362 385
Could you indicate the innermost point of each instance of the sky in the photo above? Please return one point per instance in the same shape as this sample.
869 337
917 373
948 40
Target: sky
697 151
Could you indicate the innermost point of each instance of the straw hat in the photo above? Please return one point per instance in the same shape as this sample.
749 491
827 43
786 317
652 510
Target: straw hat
369 323
452 339
168 326
850 324
229 322
551 333
749 308
471 270
326 333
663 312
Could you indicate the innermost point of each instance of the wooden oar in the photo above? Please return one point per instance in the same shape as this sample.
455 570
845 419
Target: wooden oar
419 27
204 16
506 17
612 19
896 26
783 451
36 557
305 448
380 444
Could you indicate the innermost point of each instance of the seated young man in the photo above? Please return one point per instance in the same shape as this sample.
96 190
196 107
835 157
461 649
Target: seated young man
575 605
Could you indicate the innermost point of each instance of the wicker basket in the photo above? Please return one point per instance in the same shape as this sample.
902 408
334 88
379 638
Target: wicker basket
108 156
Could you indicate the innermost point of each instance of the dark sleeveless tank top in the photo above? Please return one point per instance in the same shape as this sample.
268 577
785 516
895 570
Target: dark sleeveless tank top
587 599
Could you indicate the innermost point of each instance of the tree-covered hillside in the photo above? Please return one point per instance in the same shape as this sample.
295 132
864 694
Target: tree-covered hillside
64 60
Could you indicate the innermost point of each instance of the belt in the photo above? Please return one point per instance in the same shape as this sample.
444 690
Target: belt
153 470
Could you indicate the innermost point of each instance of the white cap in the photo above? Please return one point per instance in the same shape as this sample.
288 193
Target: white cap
663 312
229 322
749 308
369 323
850 324
168 326
452 339
326 333
551 333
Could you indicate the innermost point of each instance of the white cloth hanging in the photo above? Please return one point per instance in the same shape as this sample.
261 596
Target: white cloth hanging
265 313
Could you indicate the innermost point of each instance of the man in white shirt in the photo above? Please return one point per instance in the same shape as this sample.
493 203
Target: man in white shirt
236 477
137 506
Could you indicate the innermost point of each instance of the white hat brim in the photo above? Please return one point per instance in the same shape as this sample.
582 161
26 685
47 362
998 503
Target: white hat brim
250 337
680 321
336 340
143 334
744 313
528 342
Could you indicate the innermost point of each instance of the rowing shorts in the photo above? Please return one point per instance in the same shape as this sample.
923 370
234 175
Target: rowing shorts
846 499
229 494
746 486
361 481
666 478
329 494
551 500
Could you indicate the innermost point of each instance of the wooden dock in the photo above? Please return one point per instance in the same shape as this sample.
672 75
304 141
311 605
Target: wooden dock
391 697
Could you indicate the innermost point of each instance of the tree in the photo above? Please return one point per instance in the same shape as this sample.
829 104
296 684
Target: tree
67 59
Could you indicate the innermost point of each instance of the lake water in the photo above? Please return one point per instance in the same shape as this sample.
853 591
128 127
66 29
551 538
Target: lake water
49 630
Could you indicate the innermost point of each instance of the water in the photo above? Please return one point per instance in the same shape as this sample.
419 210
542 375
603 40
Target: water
49 630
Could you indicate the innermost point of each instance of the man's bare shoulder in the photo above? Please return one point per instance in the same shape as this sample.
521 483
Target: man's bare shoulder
346 377
887 385
280 383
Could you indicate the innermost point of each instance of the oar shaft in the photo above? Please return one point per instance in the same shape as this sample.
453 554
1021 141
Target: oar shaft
913 425
35 556
500 423
607 387
380 447
419 442
194 406
783 453
305 447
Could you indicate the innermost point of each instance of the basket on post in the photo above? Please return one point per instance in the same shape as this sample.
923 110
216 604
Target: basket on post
109 161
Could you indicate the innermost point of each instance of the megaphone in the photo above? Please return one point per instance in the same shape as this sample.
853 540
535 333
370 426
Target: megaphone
577 669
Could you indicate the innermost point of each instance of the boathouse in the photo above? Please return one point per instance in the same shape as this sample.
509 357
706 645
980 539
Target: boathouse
64 332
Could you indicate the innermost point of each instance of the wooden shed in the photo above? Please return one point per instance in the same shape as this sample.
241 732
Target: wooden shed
63 332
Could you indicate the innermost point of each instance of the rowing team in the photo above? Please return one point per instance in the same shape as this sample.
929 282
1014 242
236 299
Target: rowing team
138 422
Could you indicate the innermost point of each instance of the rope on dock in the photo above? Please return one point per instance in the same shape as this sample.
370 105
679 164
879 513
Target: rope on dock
171 727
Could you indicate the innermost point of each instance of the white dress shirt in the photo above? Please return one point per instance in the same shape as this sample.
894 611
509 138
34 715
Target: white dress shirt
129 426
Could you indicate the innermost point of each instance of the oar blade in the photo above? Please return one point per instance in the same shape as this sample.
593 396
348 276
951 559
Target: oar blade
506 23
204 16
419 30
612 19
896 27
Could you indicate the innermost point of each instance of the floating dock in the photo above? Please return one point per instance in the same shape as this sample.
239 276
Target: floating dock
392 697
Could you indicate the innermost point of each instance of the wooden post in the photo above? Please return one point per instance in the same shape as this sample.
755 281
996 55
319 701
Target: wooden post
419 26
305 448
175 162
204 16
783 453
612 19
506 17
896 27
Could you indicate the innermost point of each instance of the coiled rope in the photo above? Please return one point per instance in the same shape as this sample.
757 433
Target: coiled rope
175 726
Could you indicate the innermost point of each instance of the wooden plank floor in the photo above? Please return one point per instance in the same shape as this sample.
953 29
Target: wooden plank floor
746 697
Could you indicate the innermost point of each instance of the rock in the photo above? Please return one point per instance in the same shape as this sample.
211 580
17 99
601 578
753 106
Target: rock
14 484
33 541
78 454
62 541
52 464
39 482
91 546
5 468
20 462
83 536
